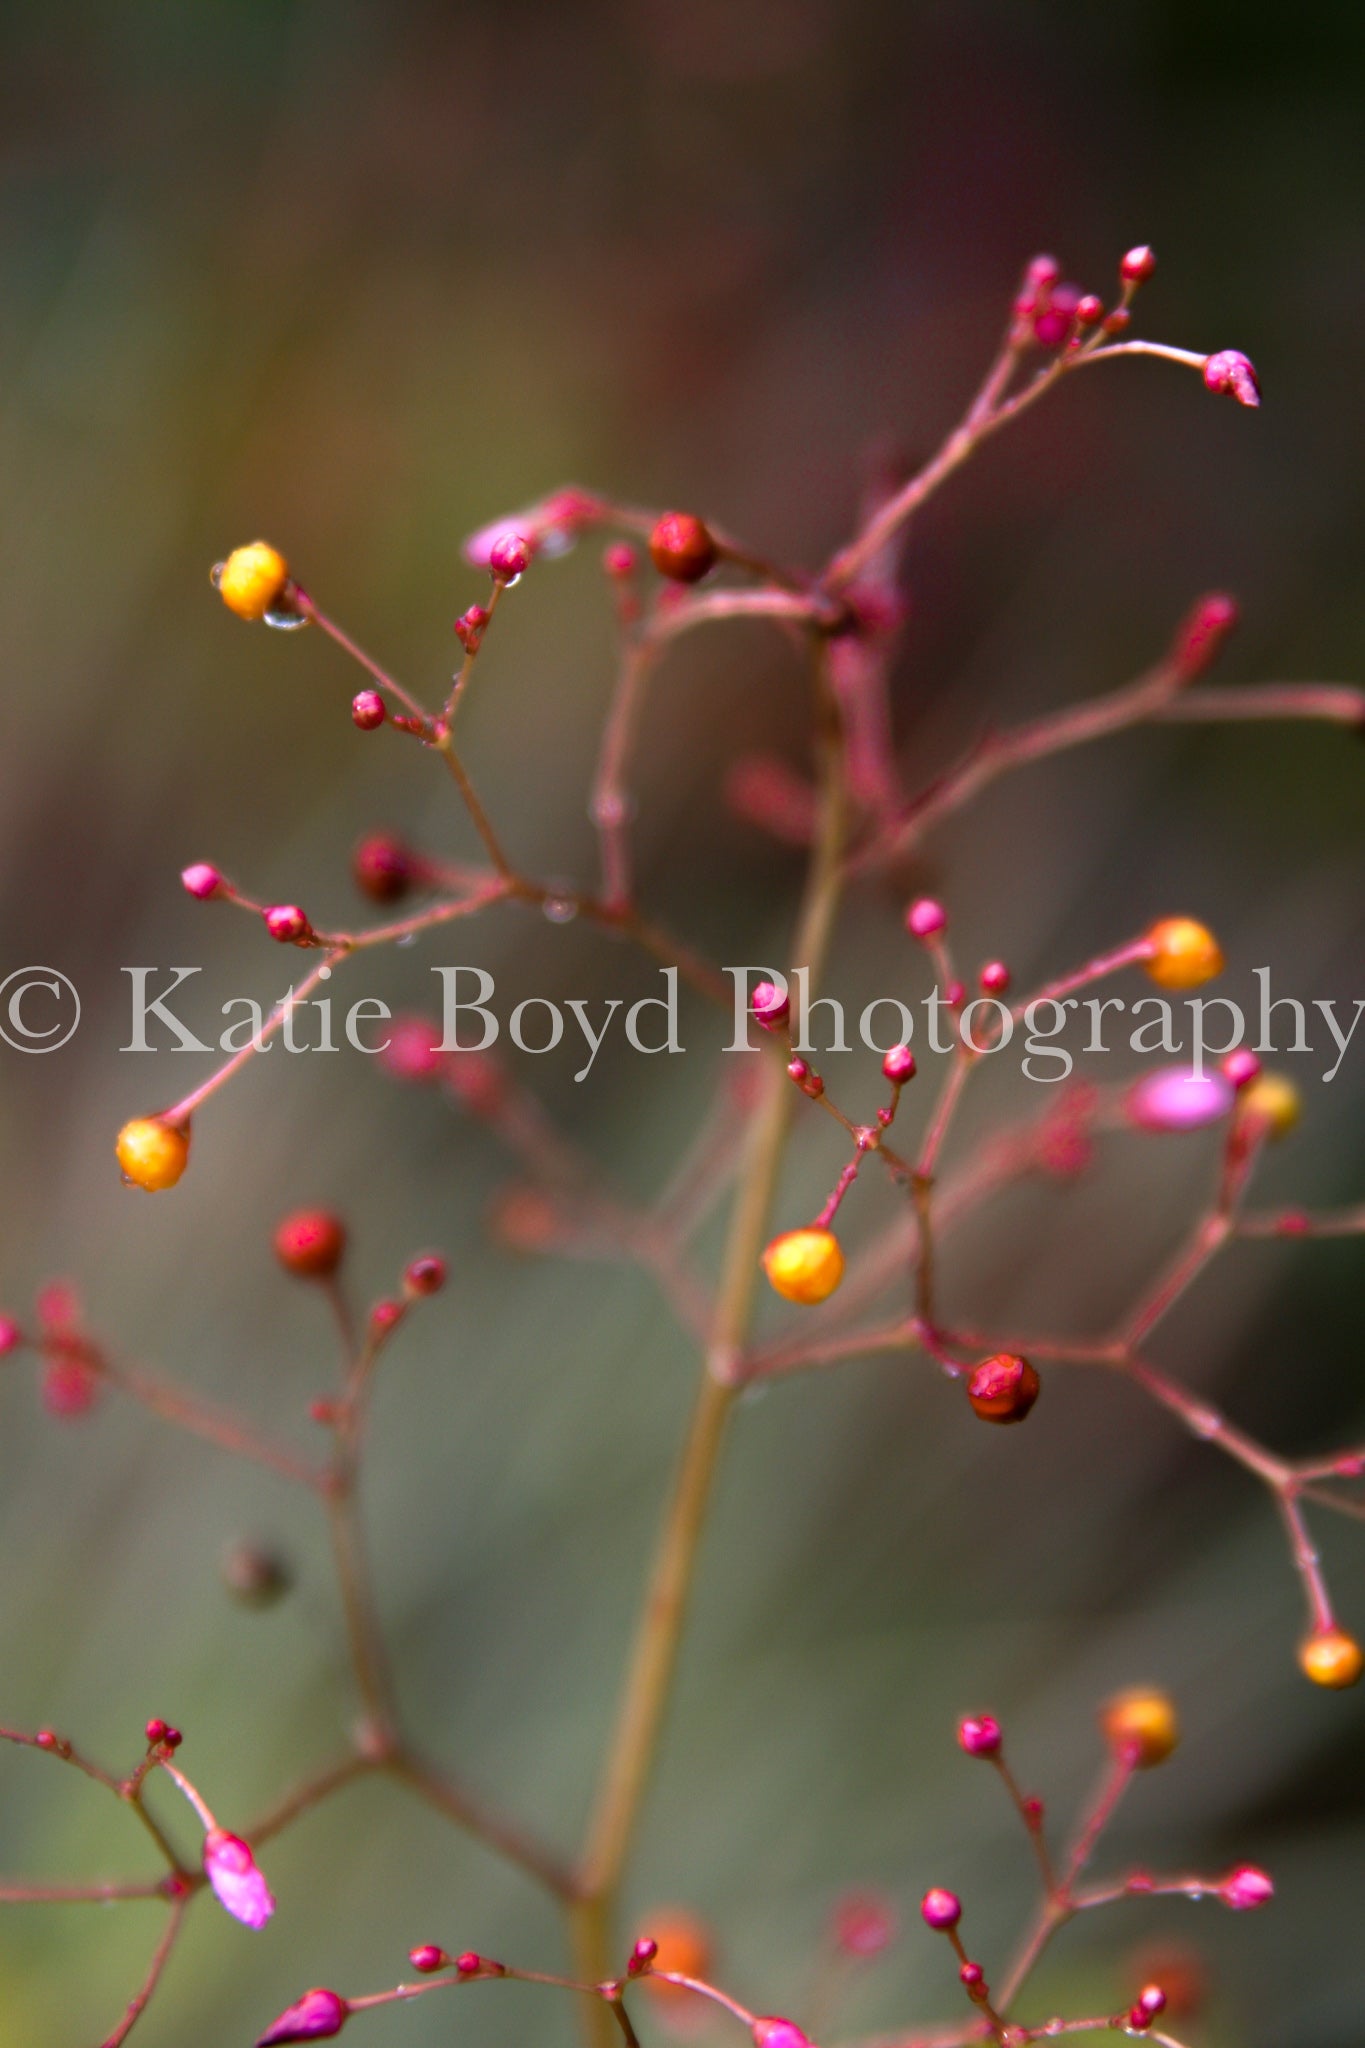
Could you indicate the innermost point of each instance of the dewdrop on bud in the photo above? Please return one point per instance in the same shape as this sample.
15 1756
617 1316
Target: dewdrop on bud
925 918
509 557
201 880
287 924
368 710
1331 1658
1230 374
1140 1726
153 1153
251 581
1003 1388
898 1066
682 548
1138 265
769 1005
980 1735
777 2033
804 1265
310 1244
318 2016
1246 1888
941 1909
382 868
1178 1099
1274 1103
1183 953
237 1883
428 1958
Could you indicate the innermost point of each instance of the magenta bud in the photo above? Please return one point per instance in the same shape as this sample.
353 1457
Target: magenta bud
1202 634
1089 310
368 710
941 1909
777 2033
469 1964
769 1005
1043 272
11 1336
201 880
1178 1099
509 557
995 978
469 628
1231 374
1246 1887
619 559
1150 2000
288 924
980 1735
925 917
864 1924
642 1955
1241 1067
384 1315
972 1976
238 1884
426 1275
318 2016
899 1065
428 1958
1138 265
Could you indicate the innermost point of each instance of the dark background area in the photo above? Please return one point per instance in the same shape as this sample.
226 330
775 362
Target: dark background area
361 278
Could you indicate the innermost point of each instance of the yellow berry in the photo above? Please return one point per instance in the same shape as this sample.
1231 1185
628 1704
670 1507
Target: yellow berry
1274 1102
804 1265
252 579
1141 1725
1332 1658
153 1153
1183 954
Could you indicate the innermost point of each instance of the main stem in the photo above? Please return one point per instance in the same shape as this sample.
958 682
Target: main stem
653 1660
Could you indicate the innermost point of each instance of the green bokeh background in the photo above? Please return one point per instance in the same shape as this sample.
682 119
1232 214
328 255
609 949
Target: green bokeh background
360 278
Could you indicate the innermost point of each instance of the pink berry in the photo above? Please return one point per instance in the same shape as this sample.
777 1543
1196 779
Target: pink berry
1119 321
1138 265
201 880
1241 1067
1053 322
288 924
413 1052
899 1065
1151 2000
426 1275
509 557
941 1909
769 1005
980 1735
1246 1887
995 977
1231 374
367 710
1043 272
385 1316
925 917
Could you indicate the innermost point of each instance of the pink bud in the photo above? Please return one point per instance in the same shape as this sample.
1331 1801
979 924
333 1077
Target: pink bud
201 880
769 794
619 560
1246 1887
1241 1067
509 557
385 1316
1138 265
413 1051
775 2033
864 1924
368 710
1043 272
1151 2000
11 1336
925 917
899 1065
70 1388
1178 1099
642 1955
941 1909
426 1275
428 1958
1202 634
995 977
469 1964
1231 373
1054 321
287 923
239 1886
469 628
1089 310
318 2016
769 1005
980 1735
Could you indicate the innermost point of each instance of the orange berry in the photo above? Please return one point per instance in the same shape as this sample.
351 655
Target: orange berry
1003 1388
310 1243
153 1153
804 1265
1274 1102
1141 1725
1184 953
1331 1658
682 548
251 581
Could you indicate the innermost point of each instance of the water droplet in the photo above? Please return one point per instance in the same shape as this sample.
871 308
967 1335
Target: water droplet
755 1391
324 974
554 541
560 909
408 939
285 619
216 575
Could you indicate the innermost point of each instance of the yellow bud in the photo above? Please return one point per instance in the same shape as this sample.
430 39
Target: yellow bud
153 1153
251 581
1184 953
1141 1725
1331 1658
1273 1101
804 1265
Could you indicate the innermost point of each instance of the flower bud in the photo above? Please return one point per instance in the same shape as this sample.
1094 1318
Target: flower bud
682 548
238 1885
619 560
1178 1099
382 868
776 2033
426 1275
287 924
1229 373
925 917
1140 1726
863 1924
368 710
318 2016
1003 1388
470 628
1201 635
413 1052
1331 1658
11 1336
995 978
1138 265
252 579
201 880
804 1265
899 1065
509 557
941 1909
683 1946
1241 1067
1246 1888
980 1735
153 1153
310 1244
428 1958
1183 953
769 1005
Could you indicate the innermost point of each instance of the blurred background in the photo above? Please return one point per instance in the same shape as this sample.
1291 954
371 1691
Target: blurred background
360 278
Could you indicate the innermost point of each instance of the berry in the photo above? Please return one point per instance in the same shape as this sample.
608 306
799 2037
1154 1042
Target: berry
1053 322
252 579
368 710
1231 374
509 557
1241 1067
941 1909
201 880
318 2016
1003 1388
971 1976
428 1958
385 1316
153 1153
682 548
1183 953
1141 1726
426 1275
769 1005
804 1265
925 917
1331 1658
413 1052
382 867
310 1244
287 924
980 1735
1138 265
1274 1102
1246 1888
899 1065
